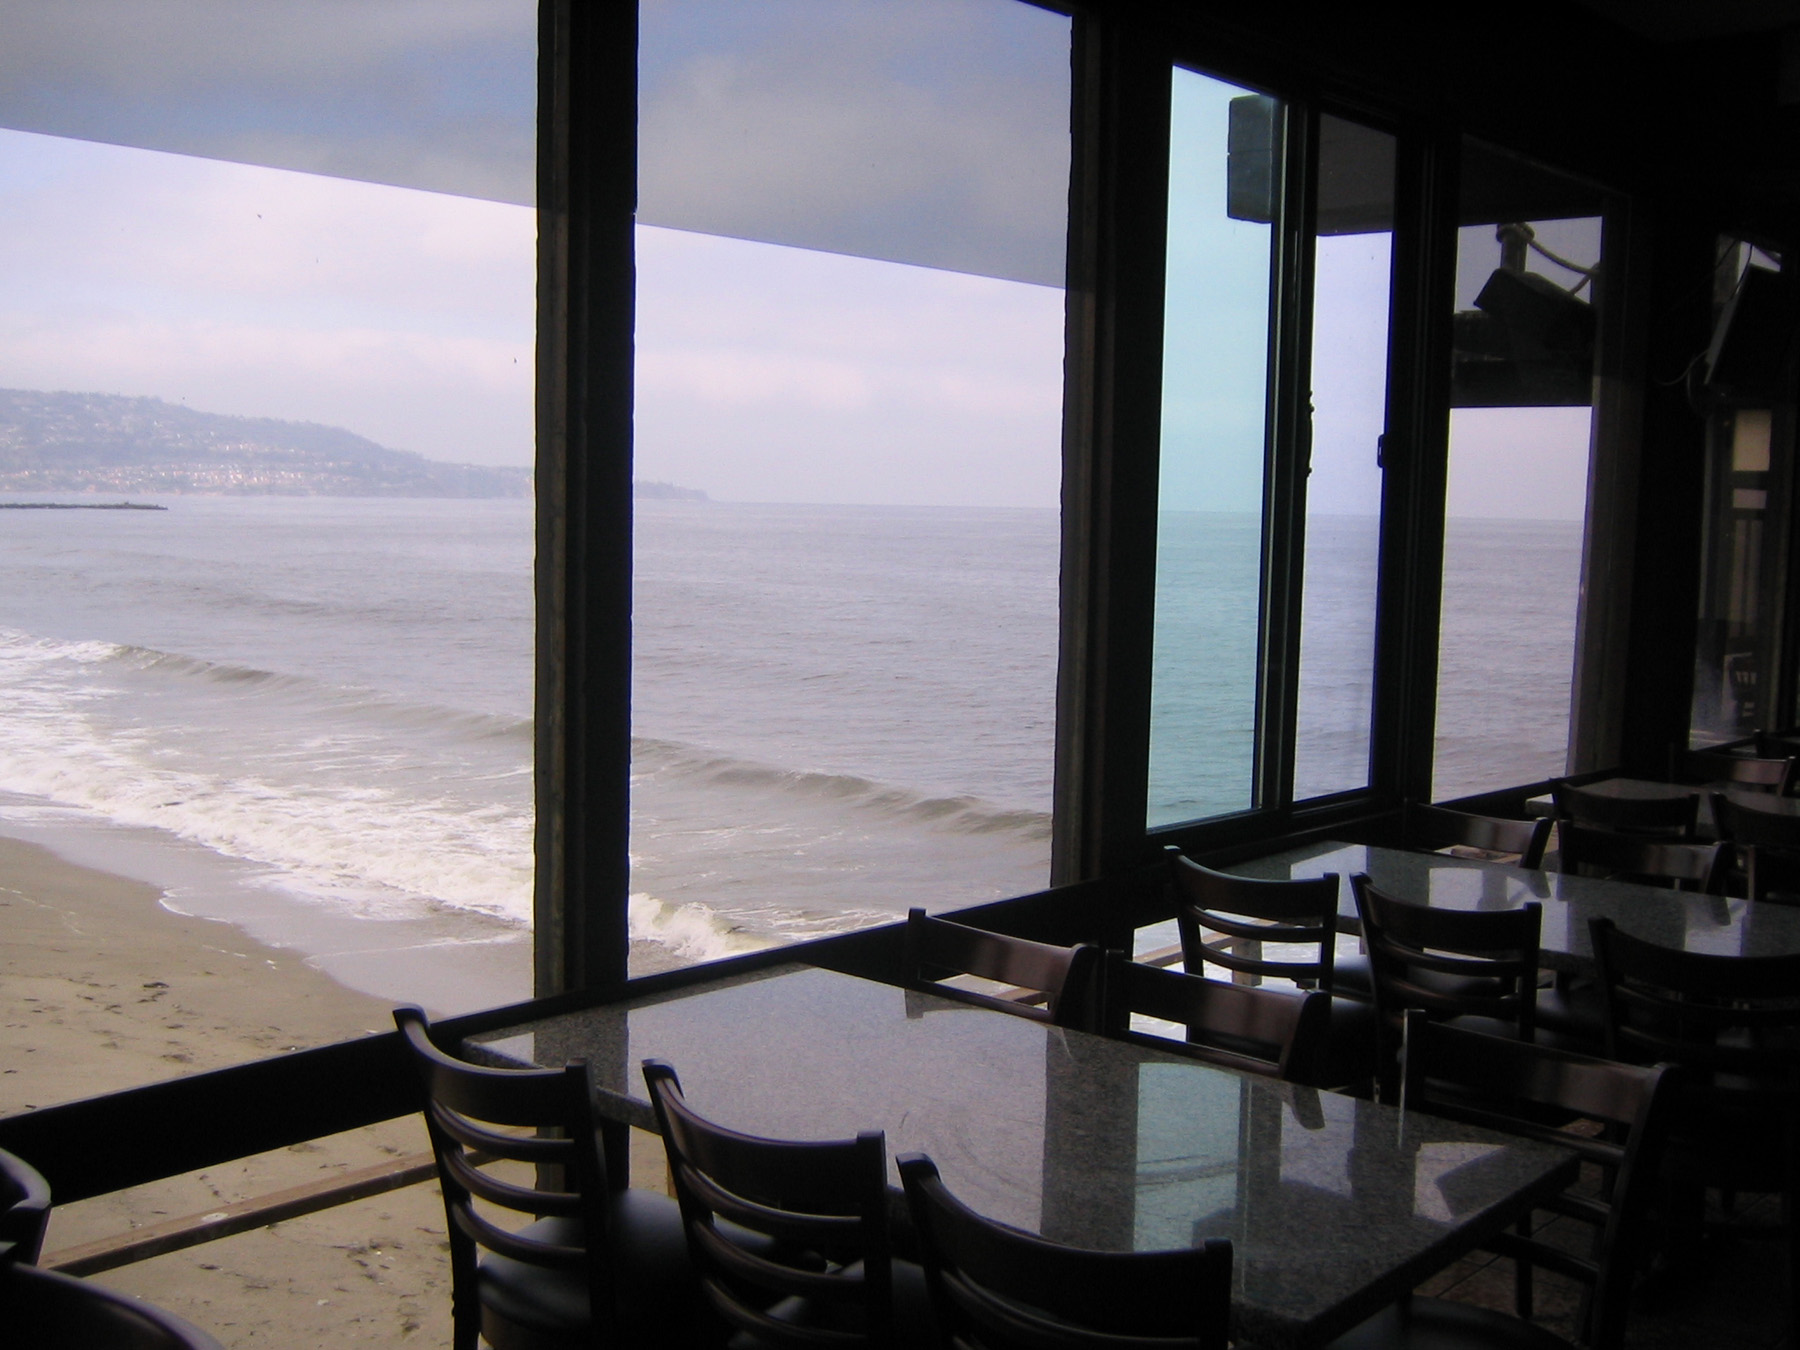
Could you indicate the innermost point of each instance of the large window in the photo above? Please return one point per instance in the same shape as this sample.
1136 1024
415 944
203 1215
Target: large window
1209 541
1528 273
1269 522
1352 277
850 255
1749 434
271 282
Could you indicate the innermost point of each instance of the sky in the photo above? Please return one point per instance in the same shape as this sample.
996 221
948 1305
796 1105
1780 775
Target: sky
406 316
849 249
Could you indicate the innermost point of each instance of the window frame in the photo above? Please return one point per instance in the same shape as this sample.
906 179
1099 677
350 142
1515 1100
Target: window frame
1121 71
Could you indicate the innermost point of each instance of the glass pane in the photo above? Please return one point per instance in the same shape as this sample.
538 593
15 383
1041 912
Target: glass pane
1215 378
1353 260
1747 453
848 463
275 279
1528 273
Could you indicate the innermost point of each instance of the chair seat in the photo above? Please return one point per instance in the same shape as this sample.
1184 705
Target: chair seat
1352 976
914 1324
1435 1324
525 1305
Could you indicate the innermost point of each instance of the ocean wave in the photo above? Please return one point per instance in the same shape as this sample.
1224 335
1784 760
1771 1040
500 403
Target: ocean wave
319 695
690 932
351 810
957 814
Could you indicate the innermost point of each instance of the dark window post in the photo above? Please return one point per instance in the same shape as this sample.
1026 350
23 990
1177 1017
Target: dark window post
587 179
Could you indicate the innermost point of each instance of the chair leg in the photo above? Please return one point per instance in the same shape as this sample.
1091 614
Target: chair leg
1522 1284
1790 1211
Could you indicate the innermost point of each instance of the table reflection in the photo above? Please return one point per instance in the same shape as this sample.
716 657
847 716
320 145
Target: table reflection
1700 923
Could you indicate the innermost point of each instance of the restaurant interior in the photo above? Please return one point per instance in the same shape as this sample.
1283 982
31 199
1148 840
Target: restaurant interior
1298 1145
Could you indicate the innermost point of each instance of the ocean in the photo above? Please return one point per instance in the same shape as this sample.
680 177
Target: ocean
311 717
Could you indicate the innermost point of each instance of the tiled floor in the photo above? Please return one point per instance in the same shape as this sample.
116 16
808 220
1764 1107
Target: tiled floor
1737 1297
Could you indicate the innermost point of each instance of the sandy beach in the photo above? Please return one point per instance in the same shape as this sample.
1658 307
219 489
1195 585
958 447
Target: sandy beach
102 989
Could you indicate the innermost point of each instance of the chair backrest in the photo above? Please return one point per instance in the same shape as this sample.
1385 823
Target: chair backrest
1734 1018
46 1310
1279 1033
1771 773
476 1117
996 1288
1068 978
1492 1081
1226 921
24 1209
1631 857
1670 815
1767 842
1438 827
1448 962
816 1199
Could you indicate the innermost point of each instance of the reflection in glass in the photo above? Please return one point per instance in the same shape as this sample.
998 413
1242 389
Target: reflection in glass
1528 280
1352 262
1748 451
1187 1152
1209 528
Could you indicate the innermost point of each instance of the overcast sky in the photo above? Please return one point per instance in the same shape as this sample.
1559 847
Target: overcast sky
405 316
856 302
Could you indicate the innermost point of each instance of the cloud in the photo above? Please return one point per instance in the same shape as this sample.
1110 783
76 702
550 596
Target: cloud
406 316
778 374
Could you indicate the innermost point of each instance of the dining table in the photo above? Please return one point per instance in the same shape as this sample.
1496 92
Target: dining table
1713 924
1335 1206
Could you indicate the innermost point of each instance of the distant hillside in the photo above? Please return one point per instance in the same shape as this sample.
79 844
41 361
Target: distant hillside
60 442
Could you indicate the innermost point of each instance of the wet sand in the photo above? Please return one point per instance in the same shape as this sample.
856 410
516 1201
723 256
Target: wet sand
101 989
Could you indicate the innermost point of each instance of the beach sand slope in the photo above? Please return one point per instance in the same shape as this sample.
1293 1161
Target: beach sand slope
101 989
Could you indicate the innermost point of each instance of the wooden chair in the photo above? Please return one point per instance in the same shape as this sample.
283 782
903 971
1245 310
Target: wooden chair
1733 1023
1767 844
589 1263
46 1310
24 1209
1500 1083
1433 828
1067 979
1625 857
824 1277
1671 815
1478 967
1228 920
997 1288
1278 1033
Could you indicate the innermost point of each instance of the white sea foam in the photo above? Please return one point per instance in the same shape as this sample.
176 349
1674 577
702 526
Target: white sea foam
343 810
691 933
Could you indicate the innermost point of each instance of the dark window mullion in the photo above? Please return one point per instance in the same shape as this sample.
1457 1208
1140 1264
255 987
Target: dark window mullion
1415 460
1288 447
1111 433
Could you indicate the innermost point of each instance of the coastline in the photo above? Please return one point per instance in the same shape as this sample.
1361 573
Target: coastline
102 988
449 961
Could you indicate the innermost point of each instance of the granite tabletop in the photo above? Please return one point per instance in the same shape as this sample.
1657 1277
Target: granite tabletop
1696 923
1655 788
1335 1206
